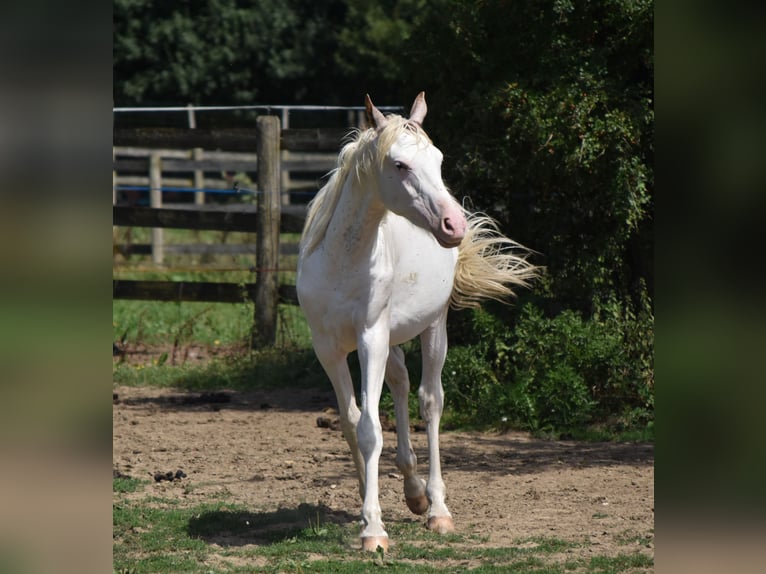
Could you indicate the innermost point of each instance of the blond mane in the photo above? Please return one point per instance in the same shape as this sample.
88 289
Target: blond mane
366 150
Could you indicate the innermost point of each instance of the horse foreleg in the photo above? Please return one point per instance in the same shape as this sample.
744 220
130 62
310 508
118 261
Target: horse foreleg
373 355
336 366
431 395
398 381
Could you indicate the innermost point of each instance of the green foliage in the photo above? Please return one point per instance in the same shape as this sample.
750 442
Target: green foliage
555 374
370 41
559 146
179 324
216 51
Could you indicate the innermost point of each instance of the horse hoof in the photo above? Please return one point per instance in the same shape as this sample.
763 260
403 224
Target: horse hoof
441 524
371 543
418 505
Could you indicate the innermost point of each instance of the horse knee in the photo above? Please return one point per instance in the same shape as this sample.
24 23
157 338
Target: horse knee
431 404
369 434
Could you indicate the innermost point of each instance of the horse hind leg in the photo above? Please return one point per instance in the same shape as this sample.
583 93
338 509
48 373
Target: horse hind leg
398 382
431 395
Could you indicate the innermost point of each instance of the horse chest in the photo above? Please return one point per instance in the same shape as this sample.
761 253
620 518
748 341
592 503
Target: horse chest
408 293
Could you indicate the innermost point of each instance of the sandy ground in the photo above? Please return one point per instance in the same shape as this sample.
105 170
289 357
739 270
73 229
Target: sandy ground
266 451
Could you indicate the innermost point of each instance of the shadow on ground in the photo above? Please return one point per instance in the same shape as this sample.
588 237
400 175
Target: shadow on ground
240 528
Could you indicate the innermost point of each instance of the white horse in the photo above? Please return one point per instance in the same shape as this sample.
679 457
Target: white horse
385 250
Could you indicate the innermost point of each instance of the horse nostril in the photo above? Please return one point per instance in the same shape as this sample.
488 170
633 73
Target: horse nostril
452 226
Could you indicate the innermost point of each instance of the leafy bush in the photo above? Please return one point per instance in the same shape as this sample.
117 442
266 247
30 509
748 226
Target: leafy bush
556 374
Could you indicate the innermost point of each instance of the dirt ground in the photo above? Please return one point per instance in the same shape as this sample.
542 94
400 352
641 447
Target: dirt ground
266 450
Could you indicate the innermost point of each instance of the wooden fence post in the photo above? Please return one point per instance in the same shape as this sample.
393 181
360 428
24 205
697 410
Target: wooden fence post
114 181
285 154
155 200
267 228
196 154
199 177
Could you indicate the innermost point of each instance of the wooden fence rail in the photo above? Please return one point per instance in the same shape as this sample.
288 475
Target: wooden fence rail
141 164
211 218
233 139
266 219
199 291
128 249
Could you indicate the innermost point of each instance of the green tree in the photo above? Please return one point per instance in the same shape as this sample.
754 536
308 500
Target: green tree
219 51
545 113
264 51
371 48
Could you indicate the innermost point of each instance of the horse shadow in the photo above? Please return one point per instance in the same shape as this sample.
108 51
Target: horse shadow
231 528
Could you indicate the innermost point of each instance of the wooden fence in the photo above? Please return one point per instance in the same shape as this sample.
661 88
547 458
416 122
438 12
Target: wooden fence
267 217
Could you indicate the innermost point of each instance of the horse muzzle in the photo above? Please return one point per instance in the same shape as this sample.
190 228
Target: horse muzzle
452 228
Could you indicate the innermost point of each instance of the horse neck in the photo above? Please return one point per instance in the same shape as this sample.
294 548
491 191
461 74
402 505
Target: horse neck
355 224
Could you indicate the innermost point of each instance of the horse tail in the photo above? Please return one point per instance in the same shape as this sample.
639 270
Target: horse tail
489 265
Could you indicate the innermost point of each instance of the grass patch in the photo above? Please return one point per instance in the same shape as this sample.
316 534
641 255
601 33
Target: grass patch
124 484
210 324
222 537
173 539
630 537
620 563
417 543
165 323
263 369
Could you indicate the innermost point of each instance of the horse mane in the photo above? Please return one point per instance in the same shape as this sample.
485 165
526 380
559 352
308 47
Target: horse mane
363 150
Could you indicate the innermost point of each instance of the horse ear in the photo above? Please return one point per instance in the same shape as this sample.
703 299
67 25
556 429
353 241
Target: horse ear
419 109
374 117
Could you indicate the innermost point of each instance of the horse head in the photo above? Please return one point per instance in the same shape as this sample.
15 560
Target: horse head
409 177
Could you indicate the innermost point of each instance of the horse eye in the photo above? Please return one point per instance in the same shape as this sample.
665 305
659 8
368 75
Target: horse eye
400 165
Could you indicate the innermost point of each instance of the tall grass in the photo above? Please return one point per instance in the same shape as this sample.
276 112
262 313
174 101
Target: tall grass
247 370
158 323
